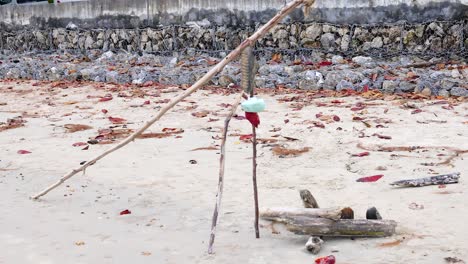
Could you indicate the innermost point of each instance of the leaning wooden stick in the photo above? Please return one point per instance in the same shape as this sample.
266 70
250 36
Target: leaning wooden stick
215 70
219 194
434 180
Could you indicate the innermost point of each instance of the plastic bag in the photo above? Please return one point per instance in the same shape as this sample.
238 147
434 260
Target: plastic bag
253 105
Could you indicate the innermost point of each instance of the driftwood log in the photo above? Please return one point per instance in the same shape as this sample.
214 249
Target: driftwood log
327 222
434 180
283 215
341 228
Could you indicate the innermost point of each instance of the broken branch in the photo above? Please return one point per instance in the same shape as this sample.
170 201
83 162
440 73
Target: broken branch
219 194
215 70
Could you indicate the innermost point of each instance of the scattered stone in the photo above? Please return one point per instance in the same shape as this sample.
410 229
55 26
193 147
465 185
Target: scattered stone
443 93
426 91
389 86
377 43
361 60
343 85
328 41
459 91
337 59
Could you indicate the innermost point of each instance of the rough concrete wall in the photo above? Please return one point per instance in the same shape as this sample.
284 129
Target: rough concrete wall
141 13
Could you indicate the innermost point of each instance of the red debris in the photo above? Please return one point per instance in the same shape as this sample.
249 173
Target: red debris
125 212
370 178
326 260
362 154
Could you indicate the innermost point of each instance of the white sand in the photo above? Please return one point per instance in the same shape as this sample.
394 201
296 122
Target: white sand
172 200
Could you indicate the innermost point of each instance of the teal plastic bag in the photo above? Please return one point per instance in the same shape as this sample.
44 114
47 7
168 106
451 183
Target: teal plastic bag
253 105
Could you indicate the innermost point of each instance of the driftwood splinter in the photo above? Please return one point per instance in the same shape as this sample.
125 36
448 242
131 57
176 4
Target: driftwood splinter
434 180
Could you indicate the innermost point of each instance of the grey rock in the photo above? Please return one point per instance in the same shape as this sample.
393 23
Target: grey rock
71 26
291 70
361 60
455 73
343 85
260 82
344 43
423 85
308 85
447 84
377 43
88 42
13 73
406 87
313 32
352 76
275 69
313 76
332 79
54 74
328 41
106 55
436 28
405 61
443 93
426 91
280 34
337 59
389 86
459 91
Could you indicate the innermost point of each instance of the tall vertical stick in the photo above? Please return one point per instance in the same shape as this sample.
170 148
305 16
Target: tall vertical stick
248 77
254 177
219 194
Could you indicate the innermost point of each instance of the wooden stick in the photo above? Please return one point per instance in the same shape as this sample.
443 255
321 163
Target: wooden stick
434 180
219 194
285 214
215 70
254 178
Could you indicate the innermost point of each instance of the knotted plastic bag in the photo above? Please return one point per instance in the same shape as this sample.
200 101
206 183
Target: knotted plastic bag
253 105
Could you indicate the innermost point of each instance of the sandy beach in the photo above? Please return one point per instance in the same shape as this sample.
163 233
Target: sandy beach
169 186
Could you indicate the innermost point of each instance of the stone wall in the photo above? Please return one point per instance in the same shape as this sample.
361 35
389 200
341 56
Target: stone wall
432 38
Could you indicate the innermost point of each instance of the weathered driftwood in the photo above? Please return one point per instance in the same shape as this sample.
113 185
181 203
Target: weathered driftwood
286 214
197 85
340 228
327 222
219 194
434 180
308 199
